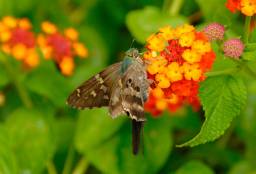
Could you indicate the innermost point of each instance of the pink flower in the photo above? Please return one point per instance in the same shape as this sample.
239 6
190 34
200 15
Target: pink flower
214 31
233 48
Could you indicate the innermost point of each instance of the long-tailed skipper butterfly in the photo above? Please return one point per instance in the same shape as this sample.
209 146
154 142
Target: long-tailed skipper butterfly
122 87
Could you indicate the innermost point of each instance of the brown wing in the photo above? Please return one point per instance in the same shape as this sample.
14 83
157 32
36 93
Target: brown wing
115 103
95 92
135 84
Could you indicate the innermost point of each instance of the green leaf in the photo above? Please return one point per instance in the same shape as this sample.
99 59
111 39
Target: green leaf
64 126
223 98
251 55
94 127
143 23
213 11
8 163
243 167
194 167
117 151
250 46
46 81
3 77
31 139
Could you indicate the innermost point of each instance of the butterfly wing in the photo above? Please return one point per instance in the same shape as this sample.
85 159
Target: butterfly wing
115 103
135 84
96 91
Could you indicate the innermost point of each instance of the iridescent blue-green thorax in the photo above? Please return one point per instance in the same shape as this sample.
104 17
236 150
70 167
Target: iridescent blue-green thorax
130 55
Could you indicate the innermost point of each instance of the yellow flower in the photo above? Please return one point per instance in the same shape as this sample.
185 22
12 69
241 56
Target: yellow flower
167 33
156 42
80 50
32 59
183 29
158 92
201 47
3 27
19 51
191 56
5 35
174 72
9 21
71 33
48 27
187 39
163 81
24 23
173 99
161 104
157 65
67 66
6 48
248 7
191 71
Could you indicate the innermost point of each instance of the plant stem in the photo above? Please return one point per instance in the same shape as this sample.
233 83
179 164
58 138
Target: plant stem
81 166
172 6
217 73
51 168
21 91
69 161
247 29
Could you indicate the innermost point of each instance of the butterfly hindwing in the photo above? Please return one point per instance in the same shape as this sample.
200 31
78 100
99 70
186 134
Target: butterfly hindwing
115 103
96 91
134 86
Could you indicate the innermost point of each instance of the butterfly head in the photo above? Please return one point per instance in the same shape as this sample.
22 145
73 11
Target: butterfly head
132 53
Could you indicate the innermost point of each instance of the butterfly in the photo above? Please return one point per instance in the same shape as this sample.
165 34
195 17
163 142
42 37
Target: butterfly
123 87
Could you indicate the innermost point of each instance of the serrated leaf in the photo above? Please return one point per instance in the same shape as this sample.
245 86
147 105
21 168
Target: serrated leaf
142 23
223 98
117 151
94 127
194 167
31 139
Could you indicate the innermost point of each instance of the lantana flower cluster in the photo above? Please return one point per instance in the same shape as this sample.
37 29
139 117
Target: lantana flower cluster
247 7
61 47
177 59
18 40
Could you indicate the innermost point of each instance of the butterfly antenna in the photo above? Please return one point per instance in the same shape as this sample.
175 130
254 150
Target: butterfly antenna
133 40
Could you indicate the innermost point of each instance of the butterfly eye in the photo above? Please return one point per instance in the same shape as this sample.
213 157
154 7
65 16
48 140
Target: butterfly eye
129 80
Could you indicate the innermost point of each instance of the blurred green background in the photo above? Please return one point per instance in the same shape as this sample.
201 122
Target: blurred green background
52 138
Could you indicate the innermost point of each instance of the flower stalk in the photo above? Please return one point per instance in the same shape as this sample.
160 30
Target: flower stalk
247 29
24 96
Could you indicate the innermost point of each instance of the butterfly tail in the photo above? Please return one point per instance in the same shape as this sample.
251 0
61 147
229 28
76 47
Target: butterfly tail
137 127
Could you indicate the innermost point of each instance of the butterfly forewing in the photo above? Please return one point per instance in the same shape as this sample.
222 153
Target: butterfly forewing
96 91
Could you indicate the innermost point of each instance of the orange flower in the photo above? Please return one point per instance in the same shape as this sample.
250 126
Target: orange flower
247 7
177 59
61 47
18 40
